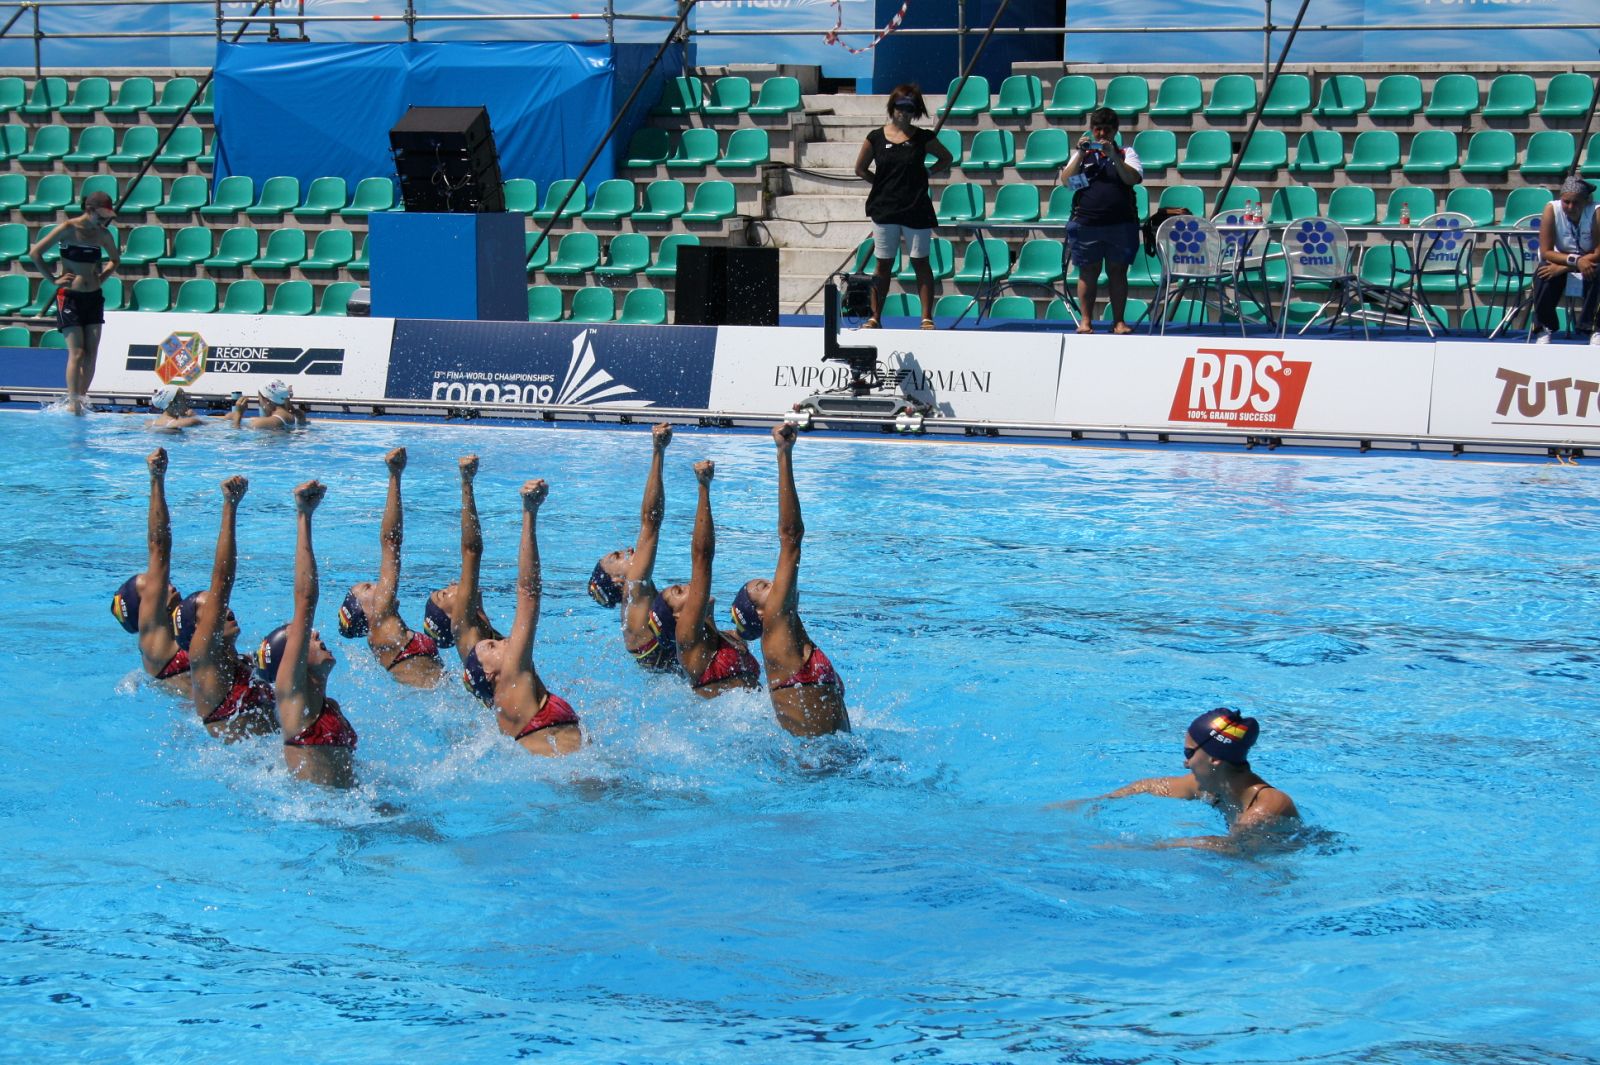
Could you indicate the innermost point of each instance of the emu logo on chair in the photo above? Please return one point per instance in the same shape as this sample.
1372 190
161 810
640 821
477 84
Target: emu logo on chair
1188 243
1315 244
181 359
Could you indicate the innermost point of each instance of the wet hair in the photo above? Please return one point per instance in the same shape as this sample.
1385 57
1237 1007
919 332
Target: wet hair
908 91
1576 186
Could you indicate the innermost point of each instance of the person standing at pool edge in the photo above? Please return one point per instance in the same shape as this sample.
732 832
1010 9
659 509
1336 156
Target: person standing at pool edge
85 241
145 602
1216 753
807 693
1104 227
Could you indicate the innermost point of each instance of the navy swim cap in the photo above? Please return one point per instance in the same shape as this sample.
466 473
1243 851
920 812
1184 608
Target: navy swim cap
436 623
476 680
1223 734
125 605
603 587
270 653
184 618
352 619
746 616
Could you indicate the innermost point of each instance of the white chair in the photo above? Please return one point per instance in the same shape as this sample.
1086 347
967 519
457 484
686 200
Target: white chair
1316 254
1194 260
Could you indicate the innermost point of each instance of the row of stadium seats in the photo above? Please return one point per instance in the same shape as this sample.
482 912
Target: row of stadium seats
653 146
616 199
96 145
640 306
625 255
20 336
91 96
728 96
1454 96
191 193
197 295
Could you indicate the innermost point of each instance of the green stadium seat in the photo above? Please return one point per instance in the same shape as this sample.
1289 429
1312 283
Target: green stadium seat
233 195
14 140
1188 197
664 199
1433 151
1235 200
1568 95
1157 149
325 197
373 195
902 305
1179 96
1040 261
1021 95
285 248
627 254
360 263
1398 96
593 304
1127 95
183 147
1266 152
50 144
1208 151
1421 202
1376 151
1058 211
208 158
191 246
1550 154
293 299
237 248
1012 308
1321 151
16 336
961 201
145 244
176 95
1292 203
991 149
197 295
666 264
1490 151
1473 201
15 289
866 259
1048 150
1232 96
778 96
941 261
1511 96
748 147
973 257
151 295
13 94
206 106
1453 96
48 95
729 95
52 252
522 195
695 148
105 183
1015 203
335 299
1481 320
578 253
1520 203
185 196
1496 277
134 96
536 252
951 139
246 296
682 95
54 338
973 99
1290 97
1072 97
556 193
613 201
1353 205
544 303
648 148
279 195
89 95
644 306
713 202
334 248
44 298
1341 96
50 195
94 147
138 146
14 242
953 305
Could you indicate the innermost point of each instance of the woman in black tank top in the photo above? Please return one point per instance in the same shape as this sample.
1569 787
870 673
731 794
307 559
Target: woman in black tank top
88 257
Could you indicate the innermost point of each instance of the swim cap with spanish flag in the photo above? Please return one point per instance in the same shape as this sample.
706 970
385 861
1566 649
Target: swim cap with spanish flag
1223 734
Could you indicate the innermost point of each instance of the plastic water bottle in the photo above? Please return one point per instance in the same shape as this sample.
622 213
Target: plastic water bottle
1405 214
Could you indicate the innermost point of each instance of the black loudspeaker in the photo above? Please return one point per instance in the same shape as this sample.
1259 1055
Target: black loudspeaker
446 161
726 286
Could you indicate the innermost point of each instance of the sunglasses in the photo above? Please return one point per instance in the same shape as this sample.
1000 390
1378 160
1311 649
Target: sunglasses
1188 753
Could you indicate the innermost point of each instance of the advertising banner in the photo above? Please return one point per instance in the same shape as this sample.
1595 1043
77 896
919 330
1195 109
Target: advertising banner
982 376
214 354
485 363
1516 392
803 49
1256 383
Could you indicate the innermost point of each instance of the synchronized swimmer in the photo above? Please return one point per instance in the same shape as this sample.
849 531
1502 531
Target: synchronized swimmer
276 402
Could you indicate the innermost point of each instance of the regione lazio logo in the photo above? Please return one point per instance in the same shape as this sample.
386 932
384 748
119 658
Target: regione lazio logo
1235 387
181 359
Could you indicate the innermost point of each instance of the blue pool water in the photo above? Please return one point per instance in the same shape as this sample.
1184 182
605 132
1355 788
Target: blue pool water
1016 625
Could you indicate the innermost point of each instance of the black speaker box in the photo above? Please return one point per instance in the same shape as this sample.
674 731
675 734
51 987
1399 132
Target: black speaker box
446 160
726 286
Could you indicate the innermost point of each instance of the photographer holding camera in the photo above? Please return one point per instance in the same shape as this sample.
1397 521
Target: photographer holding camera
1105 217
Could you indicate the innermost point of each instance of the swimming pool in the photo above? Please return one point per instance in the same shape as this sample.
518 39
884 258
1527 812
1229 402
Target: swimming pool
1016 626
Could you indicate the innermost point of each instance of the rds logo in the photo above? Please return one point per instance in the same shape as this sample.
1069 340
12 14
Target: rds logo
181 359
1260 389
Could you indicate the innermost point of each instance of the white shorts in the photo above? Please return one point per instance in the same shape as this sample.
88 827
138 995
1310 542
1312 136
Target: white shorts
886 241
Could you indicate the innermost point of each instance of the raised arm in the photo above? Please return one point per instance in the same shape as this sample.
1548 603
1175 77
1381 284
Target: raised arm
530 578
651 510
702 550
471 543
205 644
291 679
784 597
390 538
